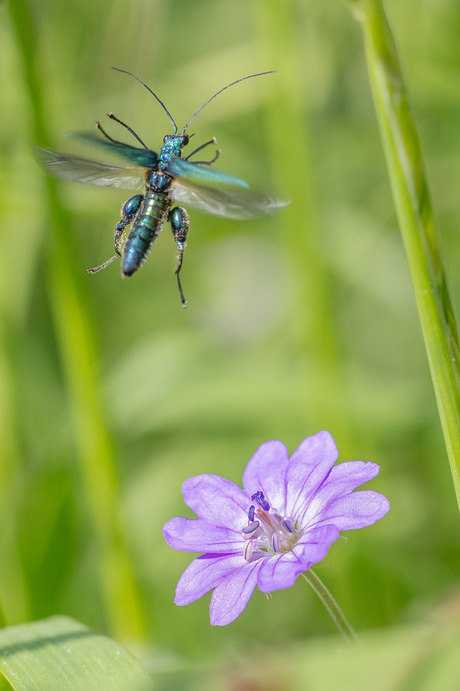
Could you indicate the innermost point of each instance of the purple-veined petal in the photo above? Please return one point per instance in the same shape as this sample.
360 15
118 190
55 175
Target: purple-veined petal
281 571
300 505
197 535
308 468
342 480
216 500
204 574
231 596
266 471
356 510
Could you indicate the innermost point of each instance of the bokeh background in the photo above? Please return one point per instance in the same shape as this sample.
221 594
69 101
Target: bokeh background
112 395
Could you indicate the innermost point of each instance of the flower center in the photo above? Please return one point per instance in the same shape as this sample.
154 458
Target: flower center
267 532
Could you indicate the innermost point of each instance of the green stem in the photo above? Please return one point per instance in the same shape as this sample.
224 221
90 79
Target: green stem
421 239
14 596
331 606
77 346
315 343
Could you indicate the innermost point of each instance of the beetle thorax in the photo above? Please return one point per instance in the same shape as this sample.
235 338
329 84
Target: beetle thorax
172 146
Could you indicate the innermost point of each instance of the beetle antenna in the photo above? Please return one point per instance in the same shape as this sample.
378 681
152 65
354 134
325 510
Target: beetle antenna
242 79
153 94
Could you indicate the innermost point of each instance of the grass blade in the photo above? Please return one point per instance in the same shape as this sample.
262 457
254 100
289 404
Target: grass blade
60 654
420 235
76 342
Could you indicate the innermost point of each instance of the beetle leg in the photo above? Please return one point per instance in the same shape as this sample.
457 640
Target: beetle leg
206 163
95 269
120 122
102 130
128 213
178 218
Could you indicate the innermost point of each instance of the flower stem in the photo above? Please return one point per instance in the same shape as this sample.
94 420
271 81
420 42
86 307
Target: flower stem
331 606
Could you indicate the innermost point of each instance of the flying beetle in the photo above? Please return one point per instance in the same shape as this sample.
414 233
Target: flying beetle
164 178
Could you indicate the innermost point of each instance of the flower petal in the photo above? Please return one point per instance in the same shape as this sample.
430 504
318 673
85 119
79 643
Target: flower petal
266 471
204 574
356 510
281 571
342 480
308 467
197 535
314 501
217 500
232 595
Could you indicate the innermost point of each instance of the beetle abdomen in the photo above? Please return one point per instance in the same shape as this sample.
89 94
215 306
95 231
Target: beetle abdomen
144 231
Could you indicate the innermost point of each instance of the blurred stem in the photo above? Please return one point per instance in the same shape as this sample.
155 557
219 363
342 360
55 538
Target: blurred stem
331 605
14 591
312 318
77 348
421 239
14 604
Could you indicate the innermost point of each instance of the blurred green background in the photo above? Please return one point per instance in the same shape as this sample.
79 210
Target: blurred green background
111 394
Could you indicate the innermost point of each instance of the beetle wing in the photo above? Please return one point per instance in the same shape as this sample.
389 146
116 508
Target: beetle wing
91 172
181 168
239 204
141 157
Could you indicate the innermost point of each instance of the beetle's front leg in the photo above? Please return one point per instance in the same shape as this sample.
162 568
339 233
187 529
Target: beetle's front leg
204 163
128 213
178 218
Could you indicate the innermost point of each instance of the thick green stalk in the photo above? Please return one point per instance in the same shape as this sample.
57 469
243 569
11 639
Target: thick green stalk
416 220
77 346
331 605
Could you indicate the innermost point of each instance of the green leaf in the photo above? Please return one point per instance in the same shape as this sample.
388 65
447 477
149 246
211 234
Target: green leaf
60 654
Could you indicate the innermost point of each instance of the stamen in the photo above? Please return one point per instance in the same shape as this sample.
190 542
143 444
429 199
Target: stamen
288 523
267 531
249 529
248 550
275 542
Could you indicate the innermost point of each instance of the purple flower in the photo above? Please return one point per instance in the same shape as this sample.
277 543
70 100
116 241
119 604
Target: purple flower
284 520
